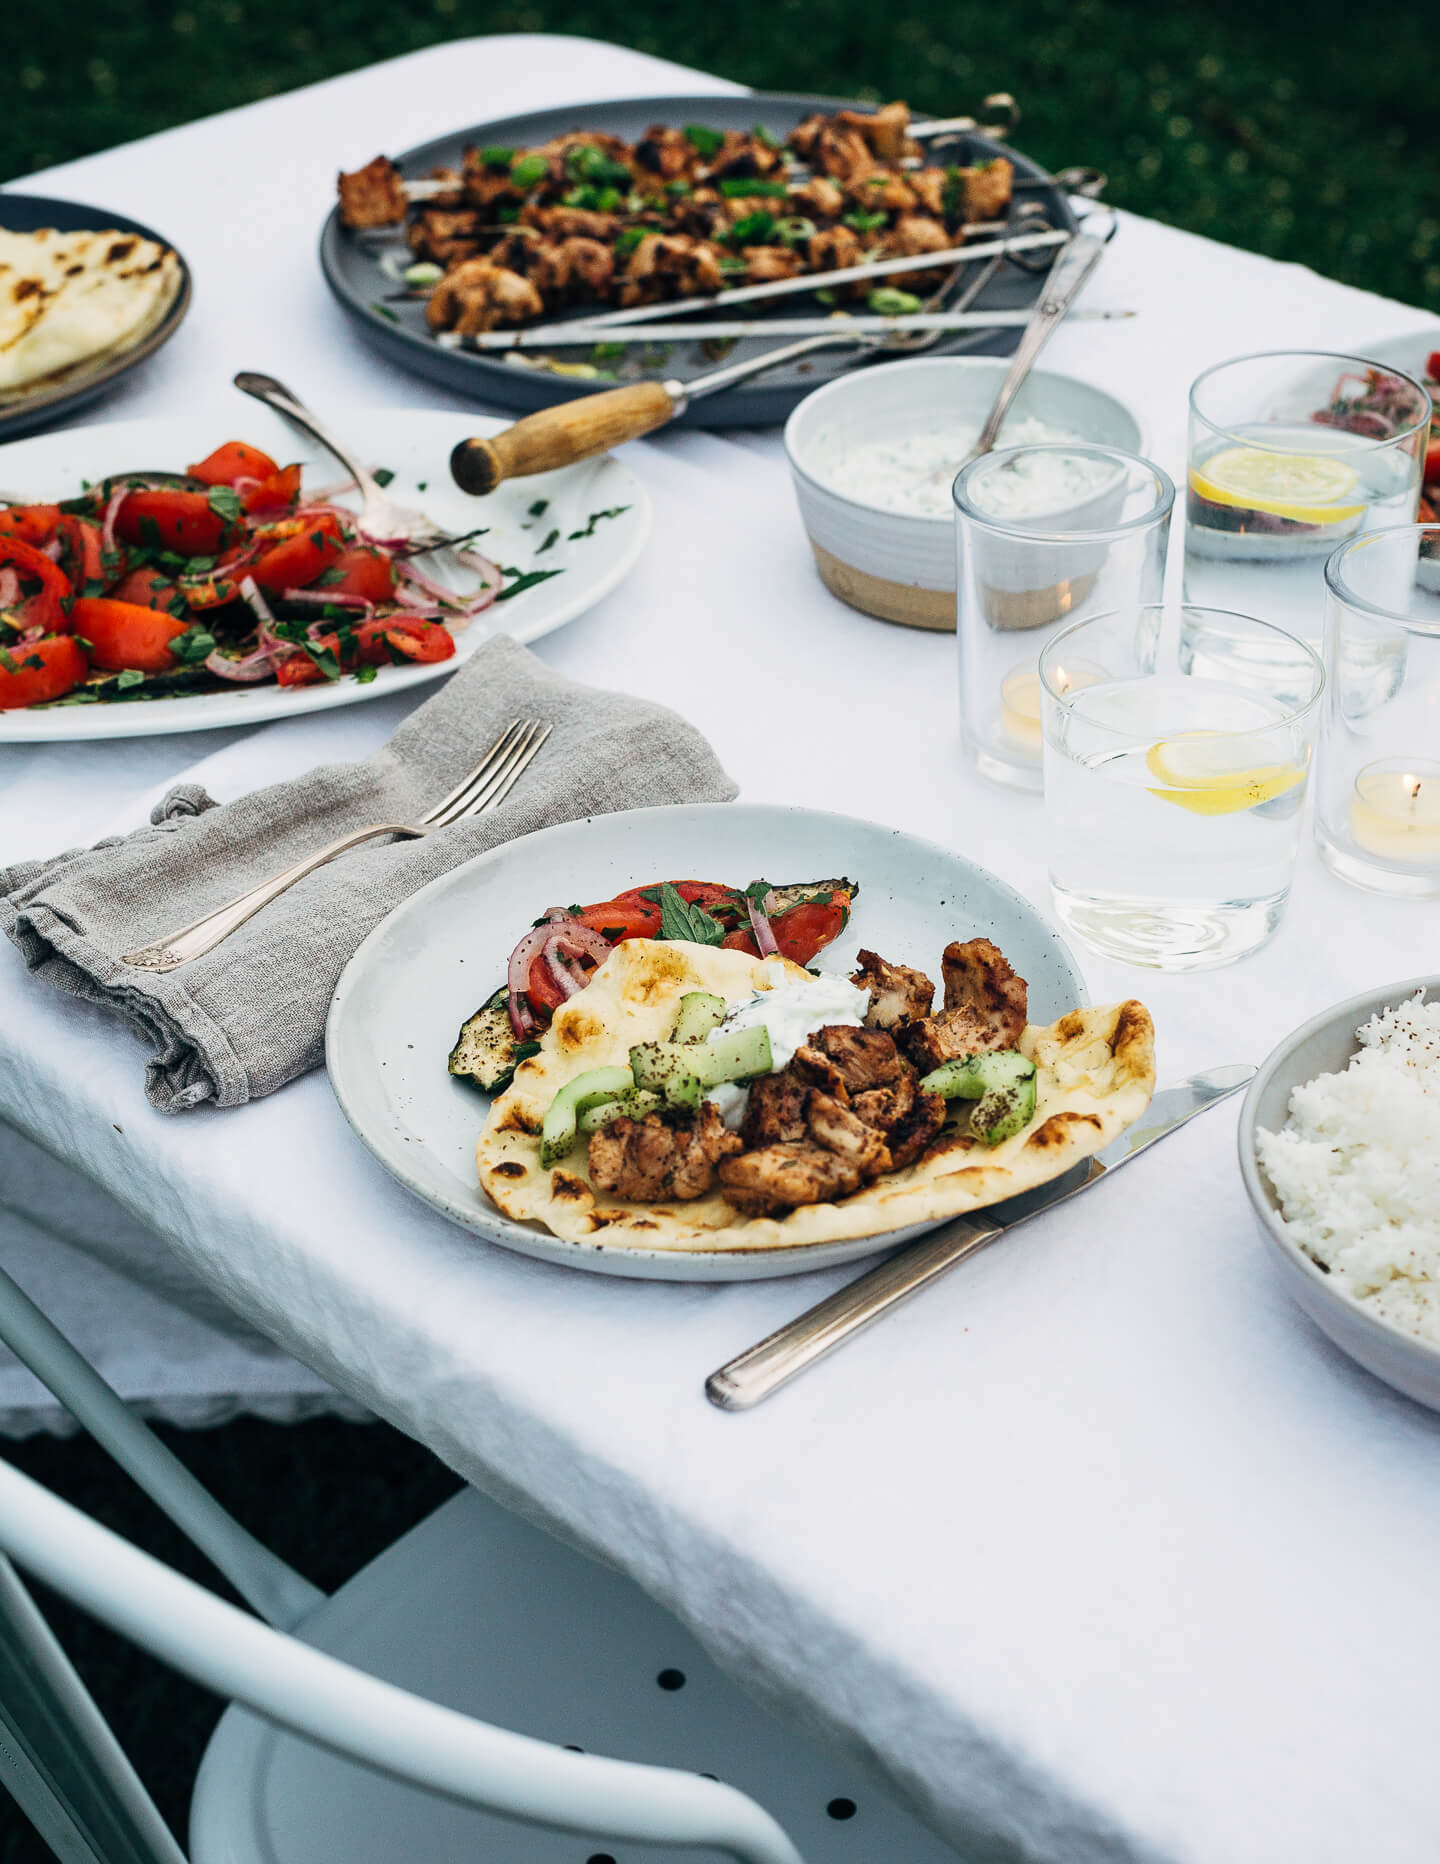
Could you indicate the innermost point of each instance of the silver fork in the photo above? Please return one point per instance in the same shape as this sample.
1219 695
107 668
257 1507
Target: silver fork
483 789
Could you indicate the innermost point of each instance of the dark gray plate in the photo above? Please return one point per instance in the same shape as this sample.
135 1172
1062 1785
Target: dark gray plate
27 213
352 269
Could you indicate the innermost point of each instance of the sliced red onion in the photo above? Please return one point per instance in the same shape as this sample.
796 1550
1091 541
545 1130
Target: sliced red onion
259 607
112 512
761 927
9 588
517 977
258 665
51 550
560 939
567 975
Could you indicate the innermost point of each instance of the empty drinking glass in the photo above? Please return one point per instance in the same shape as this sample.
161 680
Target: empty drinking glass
1292 452
1175 778
1044 534
1377 816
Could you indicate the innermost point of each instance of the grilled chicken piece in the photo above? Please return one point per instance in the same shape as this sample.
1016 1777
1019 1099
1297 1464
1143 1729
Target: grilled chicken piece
864 1058
947 1037
570 271
742 156
928 186
886 130
373 196
834 247
914 233
979 977
775 1111
445 235
909 1136
884 188
670 265
820 197
987 189
650 1160
570 222
478 295
842 1132
817 1070
703 214
777 1178
843 154
668 153
898 994
769 262
885 1107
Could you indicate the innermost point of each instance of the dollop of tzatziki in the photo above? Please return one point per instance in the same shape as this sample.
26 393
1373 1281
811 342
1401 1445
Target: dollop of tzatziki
790 1012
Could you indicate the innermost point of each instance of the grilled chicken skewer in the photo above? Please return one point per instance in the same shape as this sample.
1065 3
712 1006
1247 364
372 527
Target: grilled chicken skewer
582 331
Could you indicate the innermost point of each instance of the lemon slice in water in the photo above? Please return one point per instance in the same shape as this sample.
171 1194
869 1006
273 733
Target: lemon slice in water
1197 770
1311 488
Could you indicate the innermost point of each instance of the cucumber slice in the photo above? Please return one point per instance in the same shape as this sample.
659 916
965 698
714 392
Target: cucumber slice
674 1068
577 1097
634 1106
1001 1082
700 1012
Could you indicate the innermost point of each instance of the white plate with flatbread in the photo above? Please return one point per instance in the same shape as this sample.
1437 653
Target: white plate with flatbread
425 969
600 500
85 296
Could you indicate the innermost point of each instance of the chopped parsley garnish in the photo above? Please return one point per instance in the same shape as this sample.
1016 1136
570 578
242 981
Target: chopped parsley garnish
753 229
130 677
191 647
382 475
150 534
705 142
525 579
522 1051
553 538
383 310
539 508
224 501
364 675
327 579
679 919
595 517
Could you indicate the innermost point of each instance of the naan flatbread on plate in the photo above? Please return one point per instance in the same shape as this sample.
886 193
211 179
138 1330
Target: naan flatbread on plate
72 300
1095 1074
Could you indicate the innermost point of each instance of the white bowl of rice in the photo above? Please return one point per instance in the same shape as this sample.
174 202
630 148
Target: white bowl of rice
1340 1152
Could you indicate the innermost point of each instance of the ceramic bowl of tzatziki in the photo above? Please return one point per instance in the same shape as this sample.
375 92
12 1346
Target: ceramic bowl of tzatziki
873 456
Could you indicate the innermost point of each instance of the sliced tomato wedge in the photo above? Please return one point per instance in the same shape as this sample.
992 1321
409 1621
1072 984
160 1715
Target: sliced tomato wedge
279 491
808 929
620 919
184 522
377 643
34 591
40 671
32 524
124 635
83 558
147 589
542 990
298 559
236 459
364 571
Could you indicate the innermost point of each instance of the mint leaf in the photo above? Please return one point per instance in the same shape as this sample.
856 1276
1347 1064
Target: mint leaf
224 501
678 919
130 677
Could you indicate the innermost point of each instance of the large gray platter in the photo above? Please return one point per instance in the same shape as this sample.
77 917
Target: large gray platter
351 265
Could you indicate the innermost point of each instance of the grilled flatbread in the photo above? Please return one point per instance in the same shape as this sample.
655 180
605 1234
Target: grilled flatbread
1095 1075
69 300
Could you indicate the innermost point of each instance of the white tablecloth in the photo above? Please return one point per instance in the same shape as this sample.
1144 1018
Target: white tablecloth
1099 1547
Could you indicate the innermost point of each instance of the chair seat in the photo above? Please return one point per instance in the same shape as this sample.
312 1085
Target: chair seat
478 1610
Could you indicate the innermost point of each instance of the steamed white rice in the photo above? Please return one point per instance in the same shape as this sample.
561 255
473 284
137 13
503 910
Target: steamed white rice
1356 1169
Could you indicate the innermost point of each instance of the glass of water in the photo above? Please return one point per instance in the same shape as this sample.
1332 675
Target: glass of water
1377 814
1177 748
1044 534
1290 454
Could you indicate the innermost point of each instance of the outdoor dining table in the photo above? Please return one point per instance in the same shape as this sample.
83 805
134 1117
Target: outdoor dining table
1098 1550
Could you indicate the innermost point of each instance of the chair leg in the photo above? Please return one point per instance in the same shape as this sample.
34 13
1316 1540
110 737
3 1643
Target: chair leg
58 1756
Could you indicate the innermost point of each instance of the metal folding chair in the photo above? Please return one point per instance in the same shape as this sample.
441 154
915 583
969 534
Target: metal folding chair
363 1728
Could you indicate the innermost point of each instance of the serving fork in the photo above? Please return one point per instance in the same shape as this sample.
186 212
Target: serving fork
482 789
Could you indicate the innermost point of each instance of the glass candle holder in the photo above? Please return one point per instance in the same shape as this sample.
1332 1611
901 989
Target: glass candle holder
1175 781
1044 535
1377 819
1290 454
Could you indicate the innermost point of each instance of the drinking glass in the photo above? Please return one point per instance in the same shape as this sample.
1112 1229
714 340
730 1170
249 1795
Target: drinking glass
1175 776
1377 816
1044 534
1292 452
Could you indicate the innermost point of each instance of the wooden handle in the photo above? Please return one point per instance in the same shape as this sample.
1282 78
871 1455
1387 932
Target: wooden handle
558 436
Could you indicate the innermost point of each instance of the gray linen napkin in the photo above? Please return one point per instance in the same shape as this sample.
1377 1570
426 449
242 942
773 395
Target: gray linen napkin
250 1015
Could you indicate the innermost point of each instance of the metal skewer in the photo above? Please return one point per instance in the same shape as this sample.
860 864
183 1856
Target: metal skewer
837 324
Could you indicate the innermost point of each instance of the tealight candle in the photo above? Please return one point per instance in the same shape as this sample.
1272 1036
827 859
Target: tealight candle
1020 706
1395 812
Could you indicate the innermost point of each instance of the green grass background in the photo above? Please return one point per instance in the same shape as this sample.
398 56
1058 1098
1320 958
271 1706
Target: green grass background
1302 132
1305 133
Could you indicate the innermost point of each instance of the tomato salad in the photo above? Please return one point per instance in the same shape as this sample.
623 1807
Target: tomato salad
555 958
226 575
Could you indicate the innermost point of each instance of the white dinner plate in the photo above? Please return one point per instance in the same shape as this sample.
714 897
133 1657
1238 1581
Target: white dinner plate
402 998
415 445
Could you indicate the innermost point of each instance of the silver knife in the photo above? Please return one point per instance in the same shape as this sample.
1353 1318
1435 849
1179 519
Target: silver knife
799 1343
